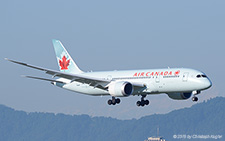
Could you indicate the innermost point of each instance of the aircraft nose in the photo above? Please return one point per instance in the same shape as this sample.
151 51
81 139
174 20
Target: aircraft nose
208 84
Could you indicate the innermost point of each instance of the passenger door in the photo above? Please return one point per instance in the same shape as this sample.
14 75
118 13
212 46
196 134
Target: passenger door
157 79
185 77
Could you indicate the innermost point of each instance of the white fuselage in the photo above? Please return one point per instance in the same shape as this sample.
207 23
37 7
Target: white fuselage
157 81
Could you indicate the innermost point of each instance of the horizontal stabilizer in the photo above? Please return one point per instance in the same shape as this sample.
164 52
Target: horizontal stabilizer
24 64
39 78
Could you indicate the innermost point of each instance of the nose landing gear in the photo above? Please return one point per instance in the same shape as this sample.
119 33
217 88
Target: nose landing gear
142 102
113 101
194 98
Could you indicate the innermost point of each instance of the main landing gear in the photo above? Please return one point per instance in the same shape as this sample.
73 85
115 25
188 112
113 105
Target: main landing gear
113 101
142 102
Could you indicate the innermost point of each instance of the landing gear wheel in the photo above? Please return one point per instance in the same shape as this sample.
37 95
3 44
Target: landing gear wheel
109 101
117 100
113 101
138 103
142 102
194 98
146 102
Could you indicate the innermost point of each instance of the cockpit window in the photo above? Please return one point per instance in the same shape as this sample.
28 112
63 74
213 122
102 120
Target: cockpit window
204 76
201 75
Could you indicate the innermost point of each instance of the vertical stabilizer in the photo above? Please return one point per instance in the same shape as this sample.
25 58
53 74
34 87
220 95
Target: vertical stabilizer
64 60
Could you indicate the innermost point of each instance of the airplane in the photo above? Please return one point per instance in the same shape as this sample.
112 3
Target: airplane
177 83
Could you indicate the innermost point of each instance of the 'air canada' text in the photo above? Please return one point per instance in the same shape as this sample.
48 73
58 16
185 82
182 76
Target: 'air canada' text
163 73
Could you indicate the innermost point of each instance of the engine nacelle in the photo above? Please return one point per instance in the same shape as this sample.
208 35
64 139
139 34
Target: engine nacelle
180 96
120 88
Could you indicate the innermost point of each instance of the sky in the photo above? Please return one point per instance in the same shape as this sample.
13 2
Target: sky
108 35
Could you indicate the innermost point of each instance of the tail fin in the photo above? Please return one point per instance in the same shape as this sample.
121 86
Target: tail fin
65 62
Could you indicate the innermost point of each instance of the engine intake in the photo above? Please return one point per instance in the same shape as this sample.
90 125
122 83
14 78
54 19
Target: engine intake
180 96
120 89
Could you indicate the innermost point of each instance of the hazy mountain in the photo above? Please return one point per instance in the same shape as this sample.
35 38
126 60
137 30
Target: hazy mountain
207 118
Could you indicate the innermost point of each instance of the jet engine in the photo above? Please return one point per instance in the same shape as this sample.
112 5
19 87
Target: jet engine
179 96
120 88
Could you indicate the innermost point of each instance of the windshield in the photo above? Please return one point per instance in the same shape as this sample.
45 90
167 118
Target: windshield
201 75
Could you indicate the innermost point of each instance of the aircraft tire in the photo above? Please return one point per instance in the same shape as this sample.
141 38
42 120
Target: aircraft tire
194 99
142 103
109 101
114 101
146 102
138 103
117 100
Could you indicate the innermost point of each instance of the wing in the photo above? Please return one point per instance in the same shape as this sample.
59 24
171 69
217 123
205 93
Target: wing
92 81
101 83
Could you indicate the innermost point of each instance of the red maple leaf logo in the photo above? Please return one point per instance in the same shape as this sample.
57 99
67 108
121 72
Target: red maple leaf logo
64 63
177 72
